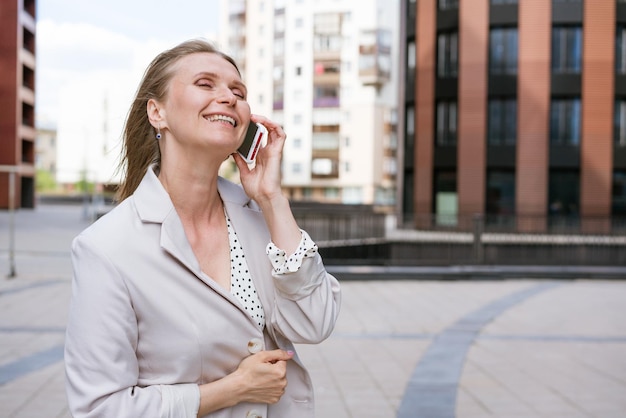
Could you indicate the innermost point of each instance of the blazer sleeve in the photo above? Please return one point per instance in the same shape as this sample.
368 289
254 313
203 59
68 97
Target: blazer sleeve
101 337
307 302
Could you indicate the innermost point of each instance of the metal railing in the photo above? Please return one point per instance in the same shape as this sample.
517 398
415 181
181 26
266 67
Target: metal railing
363 236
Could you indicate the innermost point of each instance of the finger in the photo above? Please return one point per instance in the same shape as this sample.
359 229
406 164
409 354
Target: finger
278 355
269 124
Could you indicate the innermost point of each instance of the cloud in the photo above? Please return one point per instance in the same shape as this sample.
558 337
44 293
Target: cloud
69 52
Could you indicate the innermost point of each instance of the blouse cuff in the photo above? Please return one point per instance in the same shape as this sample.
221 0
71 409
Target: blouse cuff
281 264
180 401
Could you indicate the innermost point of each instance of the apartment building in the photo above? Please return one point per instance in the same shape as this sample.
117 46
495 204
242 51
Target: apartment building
17 103
513 107
327 71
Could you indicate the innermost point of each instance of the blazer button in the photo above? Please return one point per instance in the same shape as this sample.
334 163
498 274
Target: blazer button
255 345
254 414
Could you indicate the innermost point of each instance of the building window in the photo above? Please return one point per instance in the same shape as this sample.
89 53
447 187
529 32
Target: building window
326 96
390 166
352 195
503 1
448 4
325 139
331 193
412 8
619 128
410 57
618 207
565 122
620 50
327 43
279 23
278 73
323 167
566 49
327 32
410 126
563 193
446 198
500 192
503 51
279 97
446 123
279 47
447 55
327 67
502 124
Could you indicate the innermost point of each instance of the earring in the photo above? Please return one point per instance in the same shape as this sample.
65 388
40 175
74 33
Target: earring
158 135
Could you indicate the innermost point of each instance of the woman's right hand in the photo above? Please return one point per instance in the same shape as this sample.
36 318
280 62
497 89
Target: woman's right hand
259 378
264 376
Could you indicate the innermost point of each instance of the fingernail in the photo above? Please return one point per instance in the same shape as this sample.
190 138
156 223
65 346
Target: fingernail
291 353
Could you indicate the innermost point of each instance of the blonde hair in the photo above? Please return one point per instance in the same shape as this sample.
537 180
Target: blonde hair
140 148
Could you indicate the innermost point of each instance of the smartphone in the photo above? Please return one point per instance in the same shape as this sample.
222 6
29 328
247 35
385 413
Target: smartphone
255 135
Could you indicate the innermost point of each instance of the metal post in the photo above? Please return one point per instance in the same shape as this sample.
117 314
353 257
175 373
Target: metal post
12 272
479 226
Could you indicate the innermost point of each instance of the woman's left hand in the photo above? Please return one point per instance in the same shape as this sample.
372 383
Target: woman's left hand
262 181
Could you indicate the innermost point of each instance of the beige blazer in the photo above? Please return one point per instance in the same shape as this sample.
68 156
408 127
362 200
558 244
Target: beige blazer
146 325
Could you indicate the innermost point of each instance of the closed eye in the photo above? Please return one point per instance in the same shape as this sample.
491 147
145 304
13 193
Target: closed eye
204 83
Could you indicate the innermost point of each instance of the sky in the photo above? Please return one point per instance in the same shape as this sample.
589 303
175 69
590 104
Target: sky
90 56
78 39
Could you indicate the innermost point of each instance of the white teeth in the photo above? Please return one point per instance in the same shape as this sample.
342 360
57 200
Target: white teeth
224 118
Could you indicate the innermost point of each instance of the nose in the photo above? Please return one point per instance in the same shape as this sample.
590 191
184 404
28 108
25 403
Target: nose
227 96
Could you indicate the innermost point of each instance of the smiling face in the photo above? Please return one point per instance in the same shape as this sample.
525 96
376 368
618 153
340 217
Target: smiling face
206 104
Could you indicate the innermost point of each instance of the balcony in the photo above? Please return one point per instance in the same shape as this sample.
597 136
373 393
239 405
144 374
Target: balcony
326 102
375 58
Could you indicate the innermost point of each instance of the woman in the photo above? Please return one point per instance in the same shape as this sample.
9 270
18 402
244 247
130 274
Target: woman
189 295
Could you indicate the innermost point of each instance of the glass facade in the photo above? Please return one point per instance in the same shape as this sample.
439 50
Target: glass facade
446 198
619 125
567 48
619 193
446 123
447 54
503 51
565 122
564 193
502 123
500 192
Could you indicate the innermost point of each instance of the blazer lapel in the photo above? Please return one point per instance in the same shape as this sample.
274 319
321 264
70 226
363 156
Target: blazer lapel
155 206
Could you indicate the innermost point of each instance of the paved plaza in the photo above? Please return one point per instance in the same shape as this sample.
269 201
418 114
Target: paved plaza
402 348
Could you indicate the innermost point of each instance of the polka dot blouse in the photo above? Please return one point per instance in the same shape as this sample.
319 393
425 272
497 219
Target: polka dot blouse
283 264
241 284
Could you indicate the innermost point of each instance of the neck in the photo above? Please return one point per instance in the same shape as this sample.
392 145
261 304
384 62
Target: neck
193 191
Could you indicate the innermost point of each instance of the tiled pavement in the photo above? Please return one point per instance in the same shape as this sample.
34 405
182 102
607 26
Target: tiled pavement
402 348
